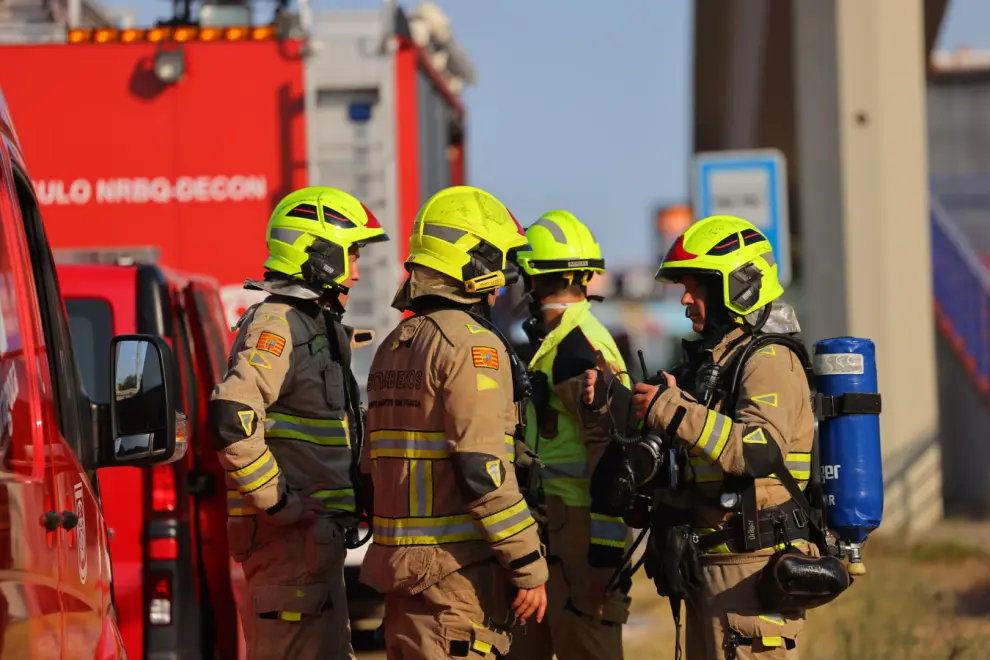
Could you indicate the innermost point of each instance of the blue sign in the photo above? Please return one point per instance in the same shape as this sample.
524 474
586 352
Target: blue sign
751 185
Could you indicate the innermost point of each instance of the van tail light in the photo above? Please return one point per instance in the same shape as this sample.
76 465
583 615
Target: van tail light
160 600
163 550
164 499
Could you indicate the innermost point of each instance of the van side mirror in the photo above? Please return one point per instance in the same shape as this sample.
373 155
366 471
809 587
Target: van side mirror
145 428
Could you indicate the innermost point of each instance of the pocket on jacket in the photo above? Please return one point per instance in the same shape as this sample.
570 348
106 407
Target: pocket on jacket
333 380
290 603
403 573
767 633
324 546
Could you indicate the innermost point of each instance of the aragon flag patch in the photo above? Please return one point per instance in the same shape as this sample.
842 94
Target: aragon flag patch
484 357
271 343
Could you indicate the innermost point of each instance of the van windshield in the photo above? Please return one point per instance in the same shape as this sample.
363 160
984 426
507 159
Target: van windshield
91 324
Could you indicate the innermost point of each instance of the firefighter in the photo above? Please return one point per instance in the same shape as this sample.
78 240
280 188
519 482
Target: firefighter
287 429
585 544
455 549
737 436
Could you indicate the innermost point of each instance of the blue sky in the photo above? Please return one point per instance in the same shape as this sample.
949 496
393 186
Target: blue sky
588 109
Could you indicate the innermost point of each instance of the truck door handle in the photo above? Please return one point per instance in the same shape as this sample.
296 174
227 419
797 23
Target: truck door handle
69 520
52 520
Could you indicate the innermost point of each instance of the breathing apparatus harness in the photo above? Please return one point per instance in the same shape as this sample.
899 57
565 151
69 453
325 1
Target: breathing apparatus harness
650 480
352 397
332 319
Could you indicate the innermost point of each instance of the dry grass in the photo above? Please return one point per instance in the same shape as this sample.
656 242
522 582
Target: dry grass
926 601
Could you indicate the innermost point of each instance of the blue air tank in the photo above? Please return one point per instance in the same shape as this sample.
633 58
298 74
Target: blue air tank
849 440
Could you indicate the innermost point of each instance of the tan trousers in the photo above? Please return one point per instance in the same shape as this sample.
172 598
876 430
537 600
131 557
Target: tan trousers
577 625
458 617
725 621
295 605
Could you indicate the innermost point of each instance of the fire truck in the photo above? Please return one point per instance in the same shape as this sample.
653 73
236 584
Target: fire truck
179 137
183 135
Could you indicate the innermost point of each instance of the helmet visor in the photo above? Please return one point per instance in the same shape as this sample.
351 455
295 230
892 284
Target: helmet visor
378 238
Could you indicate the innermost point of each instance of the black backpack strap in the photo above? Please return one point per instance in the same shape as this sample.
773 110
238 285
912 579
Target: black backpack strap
815 509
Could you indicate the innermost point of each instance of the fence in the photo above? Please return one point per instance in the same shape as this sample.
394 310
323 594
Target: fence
960 226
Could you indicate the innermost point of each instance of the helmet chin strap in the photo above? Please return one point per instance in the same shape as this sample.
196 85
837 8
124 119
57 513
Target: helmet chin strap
331 302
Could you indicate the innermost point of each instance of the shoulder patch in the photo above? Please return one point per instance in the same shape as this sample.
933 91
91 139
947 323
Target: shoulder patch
755 437
256 359
768 399
484 357
486 383
474 328
767 350
409 329
269 342
247 418
495 471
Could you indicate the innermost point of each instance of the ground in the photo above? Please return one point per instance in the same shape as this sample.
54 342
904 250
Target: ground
928 600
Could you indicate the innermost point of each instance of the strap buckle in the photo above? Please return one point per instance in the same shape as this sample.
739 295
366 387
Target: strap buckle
850 403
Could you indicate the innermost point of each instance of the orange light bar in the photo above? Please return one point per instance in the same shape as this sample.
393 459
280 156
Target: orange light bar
210 34
181 34
263 32
131 36
158 34
80 36
236 33
185 33
105 35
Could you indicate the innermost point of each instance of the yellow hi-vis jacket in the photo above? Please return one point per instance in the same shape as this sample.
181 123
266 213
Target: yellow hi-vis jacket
568 448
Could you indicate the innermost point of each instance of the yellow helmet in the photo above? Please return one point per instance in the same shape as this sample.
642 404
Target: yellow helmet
311 231
560 243
466 233
733 249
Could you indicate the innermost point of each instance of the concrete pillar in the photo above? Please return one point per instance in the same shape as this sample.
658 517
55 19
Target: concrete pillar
745 64
860 76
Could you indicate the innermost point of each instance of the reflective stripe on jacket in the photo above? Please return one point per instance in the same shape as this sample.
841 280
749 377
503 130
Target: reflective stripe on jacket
440 419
